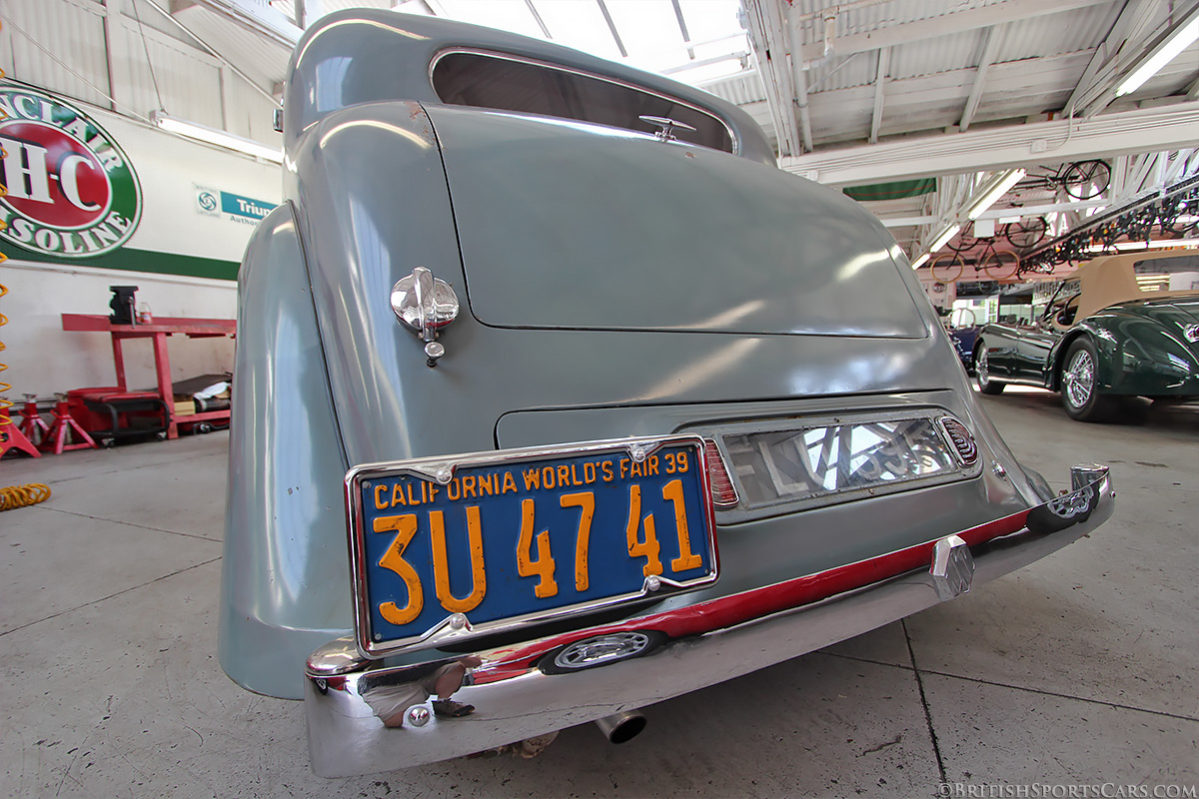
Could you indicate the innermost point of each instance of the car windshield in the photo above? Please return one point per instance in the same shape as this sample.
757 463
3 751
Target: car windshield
1062 303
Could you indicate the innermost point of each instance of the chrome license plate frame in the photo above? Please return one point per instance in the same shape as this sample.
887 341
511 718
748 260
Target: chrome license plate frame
413 500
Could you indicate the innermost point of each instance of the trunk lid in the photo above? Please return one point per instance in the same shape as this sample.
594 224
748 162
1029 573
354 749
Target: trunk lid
567 225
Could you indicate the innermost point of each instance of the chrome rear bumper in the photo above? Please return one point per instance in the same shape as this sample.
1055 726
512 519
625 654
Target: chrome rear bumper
515 700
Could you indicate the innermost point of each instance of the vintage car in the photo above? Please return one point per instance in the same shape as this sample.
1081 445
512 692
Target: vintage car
1101 337
556 398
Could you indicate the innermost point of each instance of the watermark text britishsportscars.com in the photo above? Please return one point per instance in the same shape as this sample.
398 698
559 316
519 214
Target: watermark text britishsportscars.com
1038 790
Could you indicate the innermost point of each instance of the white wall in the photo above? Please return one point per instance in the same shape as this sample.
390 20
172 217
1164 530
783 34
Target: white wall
44 359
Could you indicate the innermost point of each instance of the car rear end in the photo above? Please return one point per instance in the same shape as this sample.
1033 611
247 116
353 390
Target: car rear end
693 416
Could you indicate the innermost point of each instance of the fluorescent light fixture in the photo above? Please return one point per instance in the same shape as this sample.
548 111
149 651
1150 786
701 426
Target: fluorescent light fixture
220 138
919 262
998 188
943 239
1183 37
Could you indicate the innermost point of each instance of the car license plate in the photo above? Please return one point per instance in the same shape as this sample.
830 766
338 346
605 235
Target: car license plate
467 545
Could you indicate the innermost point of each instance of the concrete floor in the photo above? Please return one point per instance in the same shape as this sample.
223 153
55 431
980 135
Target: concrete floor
1079 670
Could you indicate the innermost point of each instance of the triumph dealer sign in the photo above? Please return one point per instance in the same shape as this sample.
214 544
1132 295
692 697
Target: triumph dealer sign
71 191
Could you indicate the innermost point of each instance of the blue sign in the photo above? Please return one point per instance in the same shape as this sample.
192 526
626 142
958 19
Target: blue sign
245 206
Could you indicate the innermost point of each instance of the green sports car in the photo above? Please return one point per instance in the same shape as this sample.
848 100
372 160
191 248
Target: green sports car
1103 336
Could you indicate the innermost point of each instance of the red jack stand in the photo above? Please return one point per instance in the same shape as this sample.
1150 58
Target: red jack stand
11 437
33 426
56 437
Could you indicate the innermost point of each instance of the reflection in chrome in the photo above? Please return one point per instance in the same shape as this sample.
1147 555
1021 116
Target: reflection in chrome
785 465
952 568
621 727
1072 504
425 304
666 126
518 700
1191 332
602 649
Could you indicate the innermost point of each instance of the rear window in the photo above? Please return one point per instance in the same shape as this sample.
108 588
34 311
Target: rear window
508 84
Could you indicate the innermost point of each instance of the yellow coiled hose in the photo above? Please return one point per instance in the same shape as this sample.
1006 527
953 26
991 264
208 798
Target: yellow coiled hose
30 493
23 496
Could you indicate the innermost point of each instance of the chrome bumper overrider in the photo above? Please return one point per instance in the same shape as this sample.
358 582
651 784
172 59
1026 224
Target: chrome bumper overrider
515 700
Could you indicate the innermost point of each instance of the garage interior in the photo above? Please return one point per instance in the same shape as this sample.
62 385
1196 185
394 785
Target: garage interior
1001 142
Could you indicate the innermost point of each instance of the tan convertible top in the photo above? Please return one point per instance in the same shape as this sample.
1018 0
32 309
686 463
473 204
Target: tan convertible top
1110 279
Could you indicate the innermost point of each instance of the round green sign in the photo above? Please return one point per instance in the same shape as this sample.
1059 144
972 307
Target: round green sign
70 191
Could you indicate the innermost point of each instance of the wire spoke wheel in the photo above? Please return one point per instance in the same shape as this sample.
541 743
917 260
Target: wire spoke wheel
947 267
1079 378
1001 264
1026 233
962 242
1085 180
982 372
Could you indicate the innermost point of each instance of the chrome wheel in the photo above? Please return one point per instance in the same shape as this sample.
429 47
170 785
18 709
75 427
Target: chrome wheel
1079 378
982 373
602 649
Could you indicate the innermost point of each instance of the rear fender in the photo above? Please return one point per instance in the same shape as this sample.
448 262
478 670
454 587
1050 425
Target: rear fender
285 573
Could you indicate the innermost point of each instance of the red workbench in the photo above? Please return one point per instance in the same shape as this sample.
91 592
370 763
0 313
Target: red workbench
157 330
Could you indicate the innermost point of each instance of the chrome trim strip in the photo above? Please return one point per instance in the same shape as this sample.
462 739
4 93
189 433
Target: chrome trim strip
733 139
347 738
456 626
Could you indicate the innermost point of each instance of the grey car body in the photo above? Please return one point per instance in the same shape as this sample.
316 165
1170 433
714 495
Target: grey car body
613 284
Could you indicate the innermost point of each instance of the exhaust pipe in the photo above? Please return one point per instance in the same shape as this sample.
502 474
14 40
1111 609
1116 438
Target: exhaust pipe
621 727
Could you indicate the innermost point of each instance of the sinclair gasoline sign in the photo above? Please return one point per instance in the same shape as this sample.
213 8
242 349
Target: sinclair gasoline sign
72 192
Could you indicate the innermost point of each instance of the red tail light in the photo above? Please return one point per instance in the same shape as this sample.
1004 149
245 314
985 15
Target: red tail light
724 493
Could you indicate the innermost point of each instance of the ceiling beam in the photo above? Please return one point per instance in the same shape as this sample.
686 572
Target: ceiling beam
258 18
771 53
545 31
1142 130
678 15
944 25
1126 55
880 89
1117 32
992 37
212 51
603 7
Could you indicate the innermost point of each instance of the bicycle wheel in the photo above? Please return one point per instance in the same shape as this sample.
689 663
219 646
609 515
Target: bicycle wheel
1084 180
1001 264
947 267
962 242
1026 233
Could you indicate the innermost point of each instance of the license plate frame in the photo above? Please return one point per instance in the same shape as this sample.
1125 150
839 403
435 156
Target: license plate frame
691 535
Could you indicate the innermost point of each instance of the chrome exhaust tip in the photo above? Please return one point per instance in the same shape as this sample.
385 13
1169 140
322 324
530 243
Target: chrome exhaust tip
621 727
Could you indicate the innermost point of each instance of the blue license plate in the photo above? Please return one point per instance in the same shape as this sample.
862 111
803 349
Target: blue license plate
463 546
